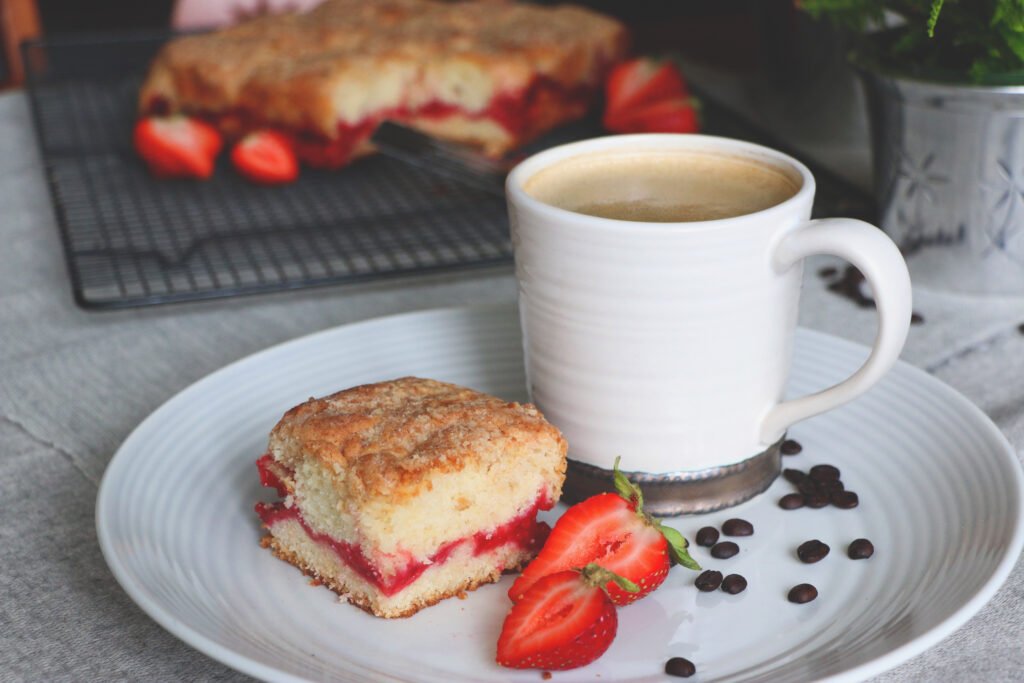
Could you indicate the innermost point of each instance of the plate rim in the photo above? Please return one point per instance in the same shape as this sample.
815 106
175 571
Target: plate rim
244 664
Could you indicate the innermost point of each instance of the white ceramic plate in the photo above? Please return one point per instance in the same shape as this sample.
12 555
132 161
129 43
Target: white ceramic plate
940 496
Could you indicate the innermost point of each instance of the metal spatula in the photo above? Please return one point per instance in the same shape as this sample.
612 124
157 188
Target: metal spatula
458 162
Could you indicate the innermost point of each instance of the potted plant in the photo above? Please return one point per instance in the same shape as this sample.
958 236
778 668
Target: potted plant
944 81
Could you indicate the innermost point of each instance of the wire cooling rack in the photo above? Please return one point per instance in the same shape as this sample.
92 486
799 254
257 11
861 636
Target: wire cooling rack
132 240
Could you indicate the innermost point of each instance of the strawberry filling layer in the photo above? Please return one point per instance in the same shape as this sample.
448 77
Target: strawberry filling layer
518 112
268 477
522 531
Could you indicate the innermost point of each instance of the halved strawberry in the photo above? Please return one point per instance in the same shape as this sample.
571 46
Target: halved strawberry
639 82
564 621
266 157
677 115
177 146
612 530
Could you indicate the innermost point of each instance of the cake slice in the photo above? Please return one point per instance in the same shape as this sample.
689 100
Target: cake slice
399 494
491 74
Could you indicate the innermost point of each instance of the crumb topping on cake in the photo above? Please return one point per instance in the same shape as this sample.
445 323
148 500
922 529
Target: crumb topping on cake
389 438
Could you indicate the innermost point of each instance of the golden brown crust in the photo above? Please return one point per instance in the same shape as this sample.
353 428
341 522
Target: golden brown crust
389 439
348 60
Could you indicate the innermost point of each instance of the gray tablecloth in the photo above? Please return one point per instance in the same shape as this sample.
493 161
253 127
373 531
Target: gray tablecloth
74 384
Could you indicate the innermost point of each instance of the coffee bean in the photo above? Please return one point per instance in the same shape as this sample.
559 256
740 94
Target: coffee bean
793 476
848 287
845 499
824 472
831 486
708 581
733 584
707 536
802 593
724 550
828 272
790 447
791 501
916 319
816 500
861 549
678 666
809 487
737 527
810 552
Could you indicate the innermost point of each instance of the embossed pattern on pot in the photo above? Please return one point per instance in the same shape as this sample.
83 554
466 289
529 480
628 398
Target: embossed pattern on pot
949 175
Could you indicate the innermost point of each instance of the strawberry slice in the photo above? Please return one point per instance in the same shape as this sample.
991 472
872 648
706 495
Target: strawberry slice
639 82
564 621
266 157
677 115
612 530
177 146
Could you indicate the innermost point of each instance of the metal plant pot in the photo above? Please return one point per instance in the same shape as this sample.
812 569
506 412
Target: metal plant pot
949 177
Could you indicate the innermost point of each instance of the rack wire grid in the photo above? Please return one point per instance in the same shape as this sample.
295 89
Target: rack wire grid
132 240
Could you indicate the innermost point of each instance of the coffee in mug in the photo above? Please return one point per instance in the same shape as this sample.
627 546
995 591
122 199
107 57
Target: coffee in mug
661 187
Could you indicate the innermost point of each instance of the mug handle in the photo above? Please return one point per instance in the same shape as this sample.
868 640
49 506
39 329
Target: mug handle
879 259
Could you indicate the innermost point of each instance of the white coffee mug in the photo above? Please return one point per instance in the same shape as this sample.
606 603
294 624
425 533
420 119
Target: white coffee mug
669 344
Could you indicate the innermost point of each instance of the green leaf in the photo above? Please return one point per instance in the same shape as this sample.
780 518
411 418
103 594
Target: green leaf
933 16
625 487
677 547
1014 40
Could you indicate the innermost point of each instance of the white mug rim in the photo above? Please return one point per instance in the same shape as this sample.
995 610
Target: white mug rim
666 142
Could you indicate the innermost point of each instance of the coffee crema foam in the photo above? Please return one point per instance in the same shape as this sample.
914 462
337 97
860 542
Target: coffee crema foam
661 187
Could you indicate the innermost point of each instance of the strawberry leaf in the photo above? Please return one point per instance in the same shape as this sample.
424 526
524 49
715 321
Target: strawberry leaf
677 543
626 488
677 547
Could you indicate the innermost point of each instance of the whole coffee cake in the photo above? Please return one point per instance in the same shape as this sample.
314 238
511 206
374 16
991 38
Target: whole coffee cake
492 74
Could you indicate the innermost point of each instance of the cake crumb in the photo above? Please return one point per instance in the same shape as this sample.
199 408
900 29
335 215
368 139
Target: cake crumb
546 675
462 595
